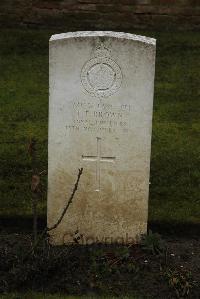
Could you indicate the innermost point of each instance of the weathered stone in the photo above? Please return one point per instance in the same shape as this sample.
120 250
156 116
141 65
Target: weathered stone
100 113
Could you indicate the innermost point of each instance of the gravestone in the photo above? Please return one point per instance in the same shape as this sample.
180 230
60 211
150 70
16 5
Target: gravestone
100 119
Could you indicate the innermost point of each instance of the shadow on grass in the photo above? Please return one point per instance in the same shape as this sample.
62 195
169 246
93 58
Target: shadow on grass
14 224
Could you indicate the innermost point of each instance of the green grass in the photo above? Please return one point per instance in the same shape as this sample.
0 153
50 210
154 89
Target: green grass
174 192
175 163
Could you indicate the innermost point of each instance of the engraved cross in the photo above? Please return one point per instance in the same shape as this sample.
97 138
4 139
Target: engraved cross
98 159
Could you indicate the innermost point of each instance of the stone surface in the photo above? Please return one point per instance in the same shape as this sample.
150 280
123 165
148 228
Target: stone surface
100 117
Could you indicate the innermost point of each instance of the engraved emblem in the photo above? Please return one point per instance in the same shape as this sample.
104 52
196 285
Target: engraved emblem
101 76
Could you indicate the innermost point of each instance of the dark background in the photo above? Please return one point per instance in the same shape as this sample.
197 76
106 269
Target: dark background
102 14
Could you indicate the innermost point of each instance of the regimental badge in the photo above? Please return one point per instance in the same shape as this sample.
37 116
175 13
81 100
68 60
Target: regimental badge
101 76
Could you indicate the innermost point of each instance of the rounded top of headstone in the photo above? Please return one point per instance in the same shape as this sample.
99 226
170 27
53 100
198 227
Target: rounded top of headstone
120 35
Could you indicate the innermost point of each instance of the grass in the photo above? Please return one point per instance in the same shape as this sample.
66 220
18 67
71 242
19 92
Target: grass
174 195
175 163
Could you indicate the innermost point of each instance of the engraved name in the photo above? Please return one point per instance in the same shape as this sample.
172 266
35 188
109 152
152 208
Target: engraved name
95 117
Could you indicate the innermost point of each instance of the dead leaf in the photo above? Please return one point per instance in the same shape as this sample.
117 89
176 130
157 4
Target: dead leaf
35 183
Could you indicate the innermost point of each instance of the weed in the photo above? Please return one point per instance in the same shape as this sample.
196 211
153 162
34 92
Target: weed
180 282
153 243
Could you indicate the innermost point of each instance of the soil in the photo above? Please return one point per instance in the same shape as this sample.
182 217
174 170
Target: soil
158 268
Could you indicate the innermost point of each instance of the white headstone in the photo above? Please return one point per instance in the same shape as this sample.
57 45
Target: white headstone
100 118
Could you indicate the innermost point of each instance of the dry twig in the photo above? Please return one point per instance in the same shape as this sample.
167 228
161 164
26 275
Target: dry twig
47 229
